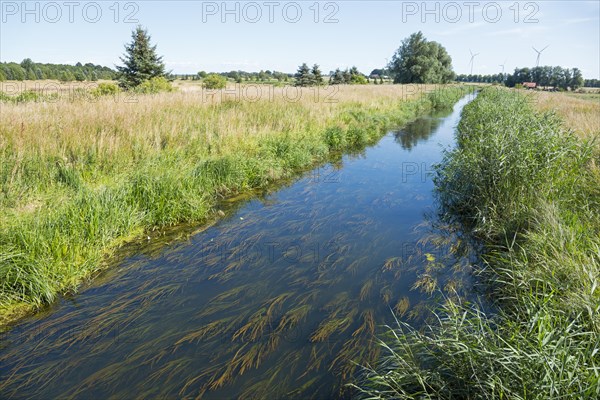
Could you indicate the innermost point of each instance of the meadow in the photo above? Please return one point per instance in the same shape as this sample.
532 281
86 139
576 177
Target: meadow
579 111
523 183
83 174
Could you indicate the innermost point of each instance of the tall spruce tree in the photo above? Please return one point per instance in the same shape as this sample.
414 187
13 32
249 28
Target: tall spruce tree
141 61
337 78
317 75
304 77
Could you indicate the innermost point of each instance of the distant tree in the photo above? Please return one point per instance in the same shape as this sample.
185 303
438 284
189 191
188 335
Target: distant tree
317 75
347 76
66 76
304 76
337 78
381 80
79 76
576 79
30 75
565 79
16 72
141 61
2 76
93 76
519 76
421 61
356 77
27 64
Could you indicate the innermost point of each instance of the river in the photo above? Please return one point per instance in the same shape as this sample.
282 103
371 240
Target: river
278 299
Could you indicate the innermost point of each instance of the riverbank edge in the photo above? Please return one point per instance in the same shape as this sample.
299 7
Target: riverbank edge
77 236
528 189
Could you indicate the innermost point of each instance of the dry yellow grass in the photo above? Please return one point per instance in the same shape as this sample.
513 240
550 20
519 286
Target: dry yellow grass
112 125
581 115
47 86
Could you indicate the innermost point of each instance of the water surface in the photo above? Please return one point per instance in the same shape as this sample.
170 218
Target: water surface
279 299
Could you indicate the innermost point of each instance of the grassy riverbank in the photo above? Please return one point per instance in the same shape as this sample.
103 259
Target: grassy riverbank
528 188
81 175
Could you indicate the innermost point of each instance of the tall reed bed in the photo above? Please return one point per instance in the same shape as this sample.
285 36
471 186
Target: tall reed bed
79 176
525 187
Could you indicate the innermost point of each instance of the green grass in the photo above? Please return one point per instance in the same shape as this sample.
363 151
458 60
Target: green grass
526 188
70 195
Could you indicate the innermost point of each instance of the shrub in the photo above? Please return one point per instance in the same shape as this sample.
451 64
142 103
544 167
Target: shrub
105 89
335 138
359 80
5 98
214 81
27 96
155 85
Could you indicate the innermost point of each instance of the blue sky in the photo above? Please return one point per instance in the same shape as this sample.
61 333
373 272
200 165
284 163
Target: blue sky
196 35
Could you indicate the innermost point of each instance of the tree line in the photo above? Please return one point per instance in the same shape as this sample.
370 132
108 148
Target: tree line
495 78
546 76
595 83
557 77
30 70
261 76
417 60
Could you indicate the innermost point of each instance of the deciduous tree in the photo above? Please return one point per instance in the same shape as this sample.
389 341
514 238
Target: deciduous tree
421 61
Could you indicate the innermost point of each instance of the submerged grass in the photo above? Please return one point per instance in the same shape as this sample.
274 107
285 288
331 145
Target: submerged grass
527 188
80 177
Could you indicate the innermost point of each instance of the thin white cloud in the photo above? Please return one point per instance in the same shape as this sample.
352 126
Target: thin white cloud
523 32
578 21
459 28
240 64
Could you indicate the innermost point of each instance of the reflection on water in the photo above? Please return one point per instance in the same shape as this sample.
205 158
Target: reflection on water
419 130
278 299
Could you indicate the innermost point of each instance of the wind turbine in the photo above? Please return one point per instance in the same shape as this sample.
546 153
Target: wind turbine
387 66
472 58
539 53
502 65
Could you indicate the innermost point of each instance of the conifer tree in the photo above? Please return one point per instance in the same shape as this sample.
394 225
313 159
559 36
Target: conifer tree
337 78
317 75
304 77
141 61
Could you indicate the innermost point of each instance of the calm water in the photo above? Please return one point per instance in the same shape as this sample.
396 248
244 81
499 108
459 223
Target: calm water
275 300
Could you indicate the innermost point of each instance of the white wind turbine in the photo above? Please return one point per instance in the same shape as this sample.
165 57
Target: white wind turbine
502 65
539 53
473 55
